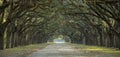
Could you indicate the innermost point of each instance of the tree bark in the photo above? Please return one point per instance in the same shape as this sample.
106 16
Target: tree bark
1 40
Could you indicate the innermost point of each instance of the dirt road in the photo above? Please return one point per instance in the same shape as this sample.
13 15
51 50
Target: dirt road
64 50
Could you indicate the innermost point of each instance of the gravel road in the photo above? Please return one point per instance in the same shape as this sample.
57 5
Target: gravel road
64 50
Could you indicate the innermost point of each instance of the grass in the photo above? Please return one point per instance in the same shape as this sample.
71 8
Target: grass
114 52
22 51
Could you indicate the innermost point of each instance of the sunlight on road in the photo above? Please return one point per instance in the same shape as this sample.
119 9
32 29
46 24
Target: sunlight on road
59 40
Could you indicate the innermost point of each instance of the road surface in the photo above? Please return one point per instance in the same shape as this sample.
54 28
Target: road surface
64 50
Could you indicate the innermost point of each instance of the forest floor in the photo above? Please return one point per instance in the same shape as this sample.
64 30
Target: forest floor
60 50
22 51
97 51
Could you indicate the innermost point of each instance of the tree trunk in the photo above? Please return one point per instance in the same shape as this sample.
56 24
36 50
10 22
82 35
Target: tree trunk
2 30
12 40
1 40
8 40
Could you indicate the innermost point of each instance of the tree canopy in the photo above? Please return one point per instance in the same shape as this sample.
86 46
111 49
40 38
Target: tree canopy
90 22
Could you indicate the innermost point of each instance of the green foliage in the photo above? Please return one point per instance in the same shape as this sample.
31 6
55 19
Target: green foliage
35 21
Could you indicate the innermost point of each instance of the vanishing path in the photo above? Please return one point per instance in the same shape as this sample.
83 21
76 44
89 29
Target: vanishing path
64 50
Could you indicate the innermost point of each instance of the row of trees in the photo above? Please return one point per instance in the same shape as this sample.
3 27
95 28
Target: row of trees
93 22
24 22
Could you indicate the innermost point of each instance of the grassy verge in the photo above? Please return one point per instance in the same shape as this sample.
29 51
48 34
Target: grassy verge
114 52
22 51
